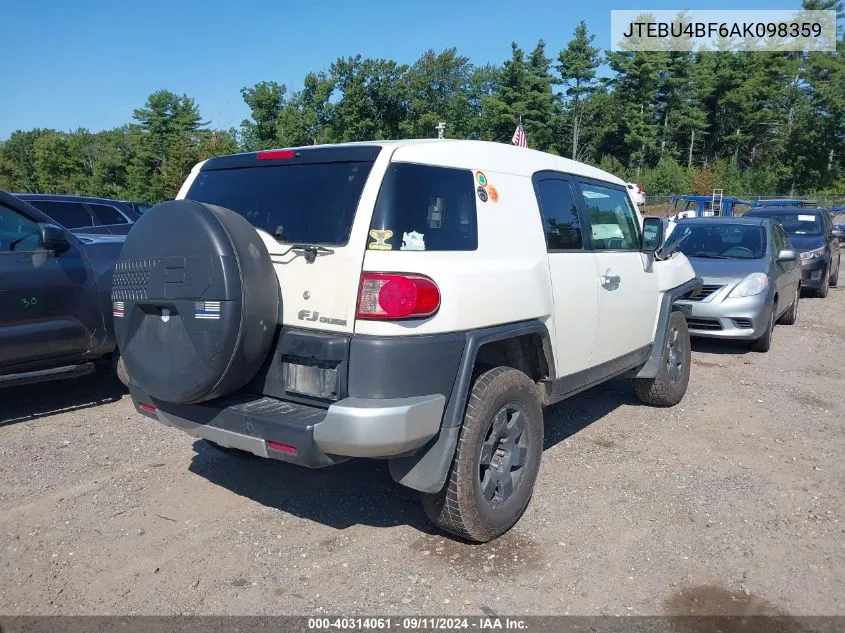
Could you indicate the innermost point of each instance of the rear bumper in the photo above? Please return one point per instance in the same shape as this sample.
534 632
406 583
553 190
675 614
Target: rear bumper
302 434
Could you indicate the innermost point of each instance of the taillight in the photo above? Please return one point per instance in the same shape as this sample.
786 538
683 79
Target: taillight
640 190
276 154
397 296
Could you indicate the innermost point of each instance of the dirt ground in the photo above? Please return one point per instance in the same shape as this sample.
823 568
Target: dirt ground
731 502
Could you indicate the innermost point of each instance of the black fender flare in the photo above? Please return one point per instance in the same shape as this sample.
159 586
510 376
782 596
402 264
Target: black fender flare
651 366
426 470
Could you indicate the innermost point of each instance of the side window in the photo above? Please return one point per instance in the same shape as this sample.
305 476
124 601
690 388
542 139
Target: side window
71 215
425 208
561 223
106 214
17 233
613 221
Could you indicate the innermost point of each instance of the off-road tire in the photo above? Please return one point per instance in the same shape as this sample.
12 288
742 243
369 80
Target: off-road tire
834 280
669 386
822 291
791 315
764 343
460 506
120 369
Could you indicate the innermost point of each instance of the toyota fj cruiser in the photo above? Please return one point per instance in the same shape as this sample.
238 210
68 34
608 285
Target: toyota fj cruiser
416 301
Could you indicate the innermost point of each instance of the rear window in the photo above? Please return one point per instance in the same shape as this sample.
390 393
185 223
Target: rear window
71 215
794 223
311 203
107 214
425 208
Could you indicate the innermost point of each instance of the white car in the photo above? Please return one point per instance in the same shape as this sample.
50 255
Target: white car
415 301
637 192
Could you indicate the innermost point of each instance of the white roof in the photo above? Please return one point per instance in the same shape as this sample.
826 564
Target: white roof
499 157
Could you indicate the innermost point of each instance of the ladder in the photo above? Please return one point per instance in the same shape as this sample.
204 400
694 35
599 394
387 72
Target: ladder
716 202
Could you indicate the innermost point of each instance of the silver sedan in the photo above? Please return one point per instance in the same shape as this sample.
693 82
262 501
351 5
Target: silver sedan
751 278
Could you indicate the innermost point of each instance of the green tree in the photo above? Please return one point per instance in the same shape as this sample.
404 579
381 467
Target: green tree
266 101
577 67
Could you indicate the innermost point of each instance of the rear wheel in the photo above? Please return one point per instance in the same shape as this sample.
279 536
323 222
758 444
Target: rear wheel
821 293
120 369
764 343
669 386
497 459
791 315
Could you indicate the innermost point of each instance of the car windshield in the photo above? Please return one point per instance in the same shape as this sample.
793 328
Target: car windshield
794 223
718 241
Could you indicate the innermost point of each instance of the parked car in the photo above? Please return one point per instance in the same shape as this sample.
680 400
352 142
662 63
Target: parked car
750 274
839 233
84 215
812 233
637 192
56 312
454 289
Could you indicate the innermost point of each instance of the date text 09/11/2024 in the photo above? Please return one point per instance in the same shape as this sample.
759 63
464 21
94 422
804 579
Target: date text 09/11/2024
417 624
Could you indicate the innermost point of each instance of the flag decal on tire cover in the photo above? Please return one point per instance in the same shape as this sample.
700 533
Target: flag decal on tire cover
207 310
117 308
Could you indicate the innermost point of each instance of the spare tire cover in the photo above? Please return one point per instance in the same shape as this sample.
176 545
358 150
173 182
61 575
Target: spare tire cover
195 302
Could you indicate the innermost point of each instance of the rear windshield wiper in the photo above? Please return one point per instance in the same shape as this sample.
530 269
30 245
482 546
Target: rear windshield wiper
310 251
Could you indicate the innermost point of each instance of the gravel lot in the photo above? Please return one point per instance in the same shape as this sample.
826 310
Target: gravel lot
731 502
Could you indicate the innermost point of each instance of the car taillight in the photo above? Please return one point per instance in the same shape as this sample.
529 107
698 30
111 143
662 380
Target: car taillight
640 190
397 296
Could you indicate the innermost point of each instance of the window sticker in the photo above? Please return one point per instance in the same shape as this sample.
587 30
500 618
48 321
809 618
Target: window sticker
482 194
493 194
482 179
412 241
380 237
806 218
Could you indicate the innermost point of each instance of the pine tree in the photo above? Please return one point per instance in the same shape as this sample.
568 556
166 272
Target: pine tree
577 66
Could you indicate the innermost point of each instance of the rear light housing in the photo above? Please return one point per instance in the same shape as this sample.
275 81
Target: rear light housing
392 296
276 154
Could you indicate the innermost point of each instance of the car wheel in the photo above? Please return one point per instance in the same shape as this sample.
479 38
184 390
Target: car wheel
821 293
497 459
791 315
764 343
669 386
120 369
834 280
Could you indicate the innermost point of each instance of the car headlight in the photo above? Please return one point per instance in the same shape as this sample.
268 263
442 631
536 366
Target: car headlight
807 256
752 285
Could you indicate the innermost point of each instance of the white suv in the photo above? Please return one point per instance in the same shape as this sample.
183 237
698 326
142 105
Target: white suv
416 301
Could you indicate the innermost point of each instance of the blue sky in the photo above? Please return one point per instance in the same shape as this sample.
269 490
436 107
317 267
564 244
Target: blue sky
89 63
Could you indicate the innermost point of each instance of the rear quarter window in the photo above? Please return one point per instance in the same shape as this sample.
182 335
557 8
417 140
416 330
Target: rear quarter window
425 208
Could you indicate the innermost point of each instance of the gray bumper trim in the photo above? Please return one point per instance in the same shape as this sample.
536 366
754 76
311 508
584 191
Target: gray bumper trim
364 427
253 445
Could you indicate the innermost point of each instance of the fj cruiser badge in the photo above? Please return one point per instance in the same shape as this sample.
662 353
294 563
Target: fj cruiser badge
380 237
308 315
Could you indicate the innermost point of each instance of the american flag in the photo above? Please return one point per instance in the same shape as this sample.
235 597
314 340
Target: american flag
519 137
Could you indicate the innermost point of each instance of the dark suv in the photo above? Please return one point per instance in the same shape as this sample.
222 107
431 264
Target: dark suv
98 216
56 311
812 234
